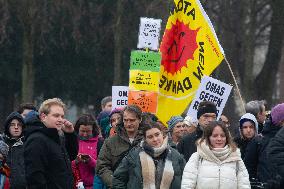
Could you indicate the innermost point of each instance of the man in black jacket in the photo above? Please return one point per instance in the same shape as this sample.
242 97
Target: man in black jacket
256 156
257 108
50 145
276 150
206 113
13 136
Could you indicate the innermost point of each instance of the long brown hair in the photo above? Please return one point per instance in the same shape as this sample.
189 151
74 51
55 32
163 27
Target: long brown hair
87 119
209 130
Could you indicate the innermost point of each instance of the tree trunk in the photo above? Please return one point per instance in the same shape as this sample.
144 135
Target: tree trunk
118 45
249 42
266 80
28 69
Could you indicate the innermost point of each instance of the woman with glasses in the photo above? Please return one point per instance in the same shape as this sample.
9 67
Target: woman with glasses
154 164
217 164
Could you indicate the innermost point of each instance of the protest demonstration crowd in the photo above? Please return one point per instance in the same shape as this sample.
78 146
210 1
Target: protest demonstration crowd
167 129
128 148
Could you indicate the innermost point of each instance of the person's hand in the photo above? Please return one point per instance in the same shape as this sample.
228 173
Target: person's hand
80 185
84 158
67 126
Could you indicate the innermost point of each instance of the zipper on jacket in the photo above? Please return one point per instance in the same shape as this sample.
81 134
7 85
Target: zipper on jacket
219 176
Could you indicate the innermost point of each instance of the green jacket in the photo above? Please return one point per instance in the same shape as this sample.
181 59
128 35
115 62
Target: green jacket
112 152
129 172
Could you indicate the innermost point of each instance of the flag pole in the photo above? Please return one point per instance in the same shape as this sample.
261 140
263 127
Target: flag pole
235 81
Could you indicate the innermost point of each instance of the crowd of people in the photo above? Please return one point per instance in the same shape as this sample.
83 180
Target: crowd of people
127 148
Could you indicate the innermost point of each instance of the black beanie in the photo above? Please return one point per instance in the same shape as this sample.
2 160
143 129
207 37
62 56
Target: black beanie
206 108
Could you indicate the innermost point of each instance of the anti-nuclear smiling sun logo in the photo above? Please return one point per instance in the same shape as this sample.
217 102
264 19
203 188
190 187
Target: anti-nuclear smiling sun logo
178 46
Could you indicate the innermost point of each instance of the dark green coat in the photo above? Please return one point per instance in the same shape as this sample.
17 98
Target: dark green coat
129 172
112 152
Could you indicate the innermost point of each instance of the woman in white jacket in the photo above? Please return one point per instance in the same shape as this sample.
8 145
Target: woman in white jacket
217 164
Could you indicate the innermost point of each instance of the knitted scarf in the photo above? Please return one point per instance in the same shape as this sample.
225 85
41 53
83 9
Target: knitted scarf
217 155
148 167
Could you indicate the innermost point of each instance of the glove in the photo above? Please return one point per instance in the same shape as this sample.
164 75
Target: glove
80 185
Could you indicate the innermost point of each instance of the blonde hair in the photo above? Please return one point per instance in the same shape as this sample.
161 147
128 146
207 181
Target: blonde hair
45 106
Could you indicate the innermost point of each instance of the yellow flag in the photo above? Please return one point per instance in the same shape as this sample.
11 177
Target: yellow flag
189 49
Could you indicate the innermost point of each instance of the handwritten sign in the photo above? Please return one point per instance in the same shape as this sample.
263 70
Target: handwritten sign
142 60
119 96
147 101
143 80
212 90
149 33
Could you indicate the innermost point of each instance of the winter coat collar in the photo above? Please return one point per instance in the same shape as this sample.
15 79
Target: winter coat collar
205 152
270 129
36 126
121 132
12 142
155 152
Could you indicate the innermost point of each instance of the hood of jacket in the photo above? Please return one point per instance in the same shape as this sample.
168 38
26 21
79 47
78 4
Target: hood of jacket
32 119
13 115
248 117
34 125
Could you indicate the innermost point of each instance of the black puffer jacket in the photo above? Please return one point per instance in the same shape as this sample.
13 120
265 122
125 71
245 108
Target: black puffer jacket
187 144
256 157
276 157
47 157
15 159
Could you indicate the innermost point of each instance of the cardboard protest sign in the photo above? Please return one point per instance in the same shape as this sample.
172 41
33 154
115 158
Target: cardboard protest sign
143 80
212 90
119 96
149 33
142 60
146 100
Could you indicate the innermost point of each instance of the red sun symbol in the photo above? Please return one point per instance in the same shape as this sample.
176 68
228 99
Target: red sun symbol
178 45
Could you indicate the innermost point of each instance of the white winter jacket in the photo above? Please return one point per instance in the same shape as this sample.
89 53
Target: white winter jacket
203 172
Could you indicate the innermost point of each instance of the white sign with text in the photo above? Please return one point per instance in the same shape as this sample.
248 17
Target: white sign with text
119 96
149 33
212 90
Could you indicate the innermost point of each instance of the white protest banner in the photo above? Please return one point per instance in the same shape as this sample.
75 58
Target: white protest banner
119 96
149 33
212 90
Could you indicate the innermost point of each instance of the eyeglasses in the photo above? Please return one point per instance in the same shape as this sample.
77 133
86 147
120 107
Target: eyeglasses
206 116
16 124
129 120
